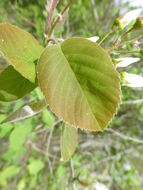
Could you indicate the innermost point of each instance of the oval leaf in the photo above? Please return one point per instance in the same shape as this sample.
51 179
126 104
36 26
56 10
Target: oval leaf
13 86
21 49
68 142
80 83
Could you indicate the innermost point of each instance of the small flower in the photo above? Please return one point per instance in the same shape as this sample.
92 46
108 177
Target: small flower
94 38
123 21
131 80
139 23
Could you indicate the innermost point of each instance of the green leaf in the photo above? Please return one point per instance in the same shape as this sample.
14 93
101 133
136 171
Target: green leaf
25 112
5 129
7 173
21 184
13 86
21 49
35 167
80 83
19 134
68 141
48 118
60 171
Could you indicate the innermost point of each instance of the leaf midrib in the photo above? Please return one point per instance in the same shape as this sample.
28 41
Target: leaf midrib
74 76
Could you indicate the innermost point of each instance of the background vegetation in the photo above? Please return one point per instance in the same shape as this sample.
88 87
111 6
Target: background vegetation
30 150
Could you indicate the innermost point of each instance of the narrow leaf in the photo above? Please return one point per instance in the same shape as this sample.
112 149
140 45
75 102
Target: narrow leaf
21 49
25 112
125 61
68 141
13 86
80 83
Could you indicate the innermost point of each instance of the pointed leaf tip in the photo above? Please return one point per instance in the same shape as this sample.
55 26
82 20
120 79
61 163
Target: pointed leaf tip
68 143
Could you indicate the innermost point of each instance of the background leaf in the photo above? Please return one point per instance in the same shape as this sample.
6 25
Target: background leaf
7 173
21 49
25 112
13 86
47 117
80 83
35 166
19 134
68 141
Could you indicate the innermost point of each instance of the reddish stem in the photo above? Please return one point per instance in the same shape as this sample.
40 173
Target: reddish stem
58 18
54 4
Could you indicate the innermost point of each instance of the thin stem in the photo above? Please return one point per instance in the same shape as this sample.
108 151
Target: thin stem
105 37
54 4
59 17
133 139
72 174
119 38
126 52
47 150
26 20
131 41
132 101
94 11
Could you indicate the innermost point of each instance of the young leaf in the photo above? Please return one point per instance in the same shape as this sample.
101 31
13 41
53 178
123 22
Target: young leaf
94 38
13 86
35 167
138 24
48 118
125 61
25 112
68 141
80 83
131 80
124 20
21 49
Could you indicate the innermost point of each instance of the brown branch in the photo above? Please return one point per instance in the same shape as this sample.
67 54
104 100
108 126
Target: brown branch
133 139
59 17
